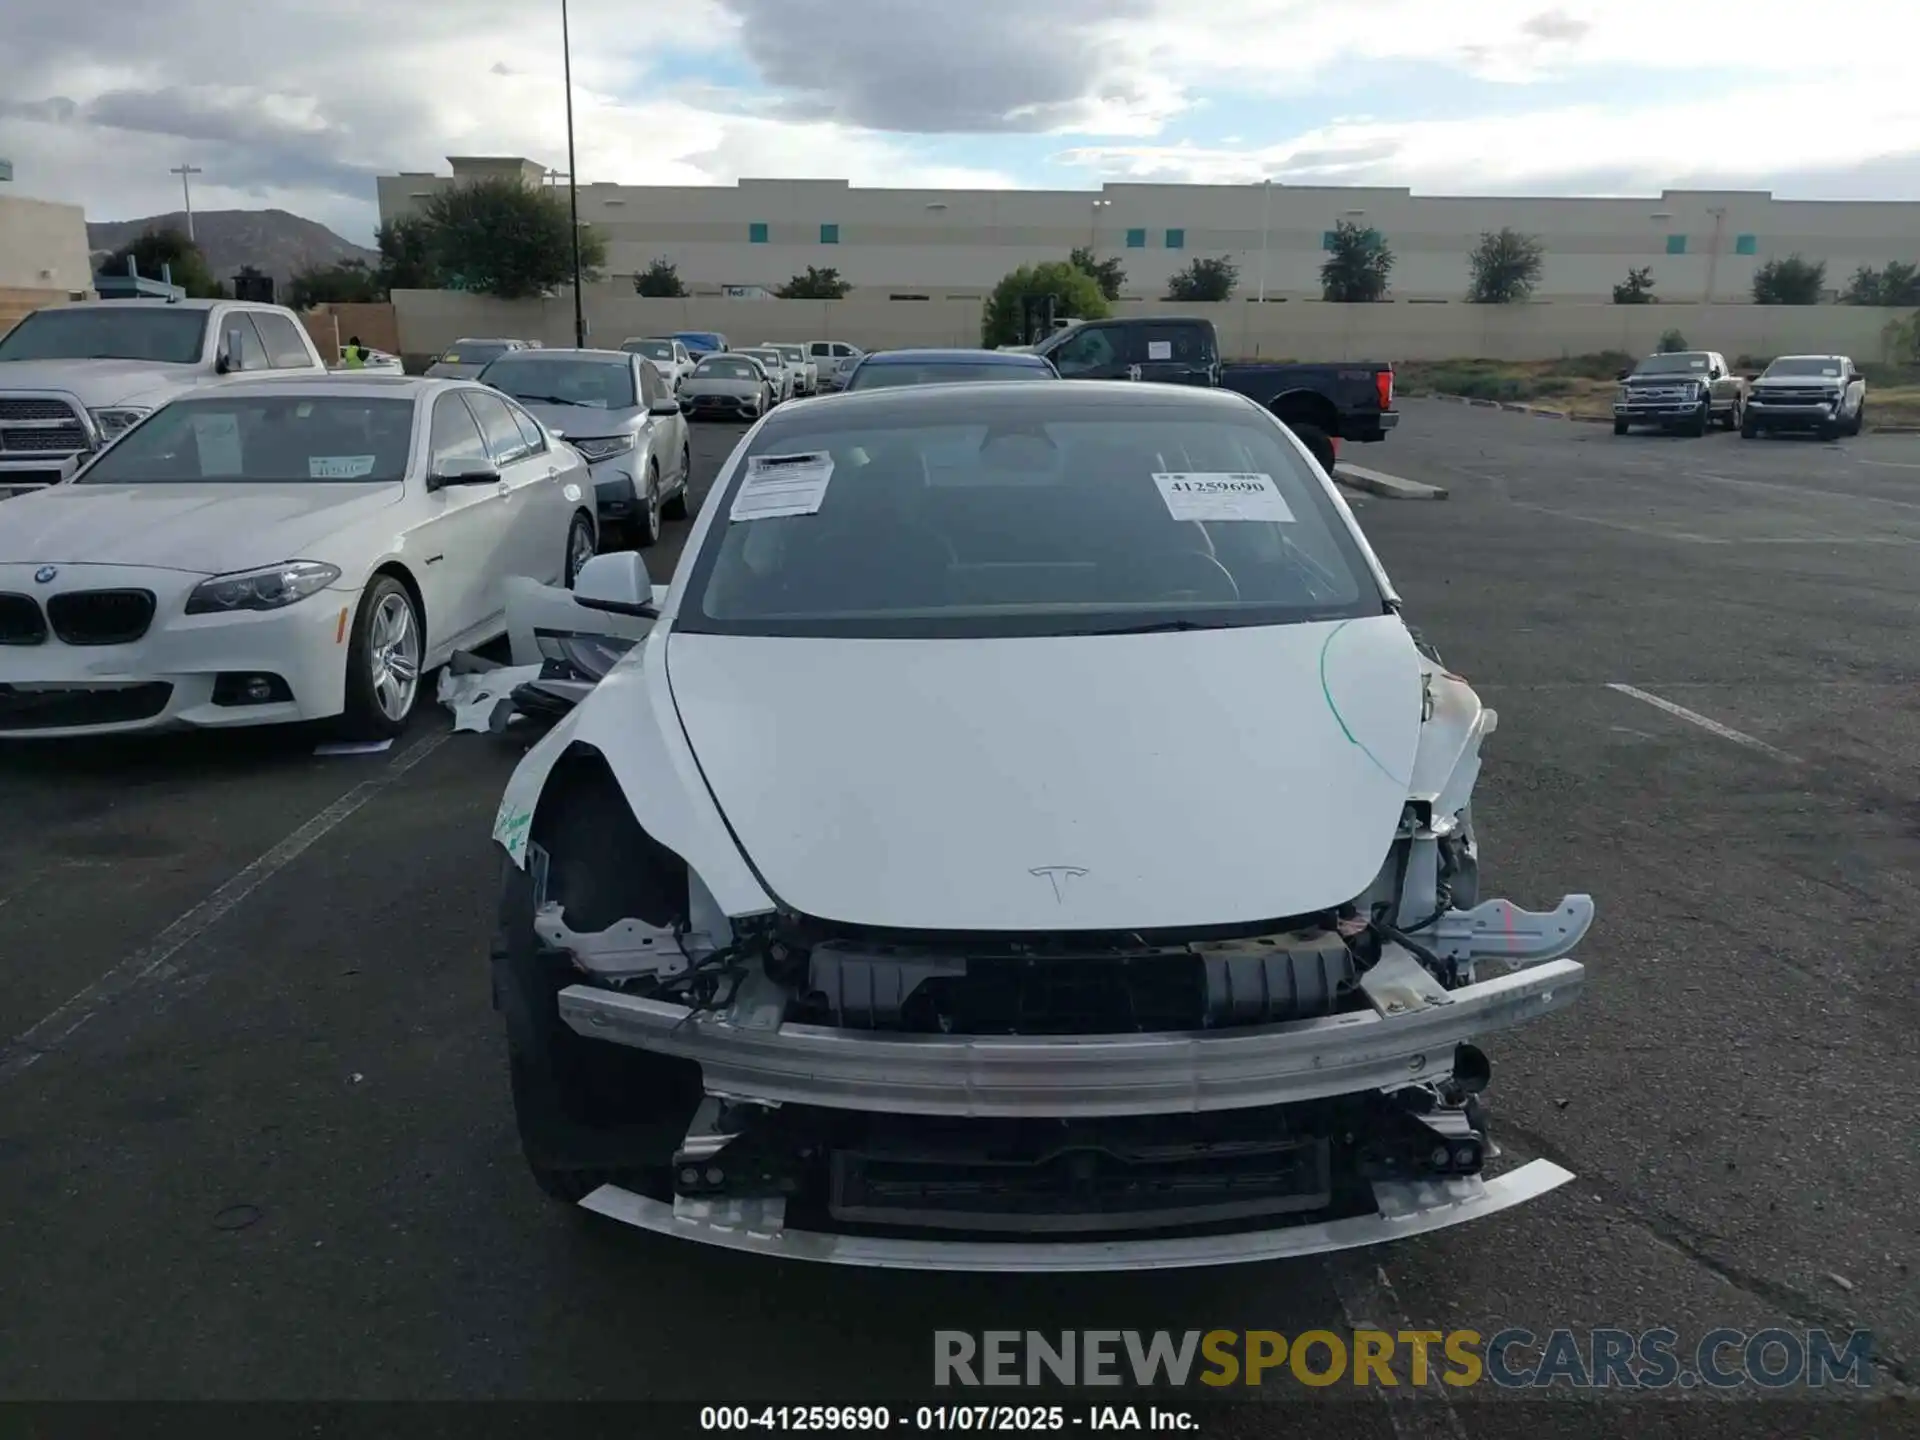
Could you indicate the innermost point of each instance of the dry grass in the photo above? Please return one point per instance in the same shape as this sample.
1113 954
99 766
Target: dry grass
1583 385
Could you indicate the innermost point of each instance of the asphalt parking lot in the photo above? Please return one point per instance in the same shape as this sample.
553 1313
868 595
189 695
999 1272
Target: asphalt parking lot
255 1141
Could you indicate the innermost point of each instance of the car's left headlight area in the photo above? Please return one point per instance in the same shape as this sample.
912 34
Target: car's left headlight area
604 448
267 587
114 421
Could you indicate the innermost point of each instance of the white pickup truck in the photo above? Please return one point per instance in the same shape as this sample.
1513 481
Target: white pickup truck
73 378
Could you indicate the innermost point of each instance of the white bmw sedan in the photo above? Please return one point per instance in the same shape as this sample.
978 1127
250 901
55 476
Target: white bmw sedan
280 550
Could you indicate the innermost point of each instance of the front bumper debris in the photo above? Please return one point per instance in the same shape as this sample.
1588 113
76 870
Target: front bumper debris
1404 1209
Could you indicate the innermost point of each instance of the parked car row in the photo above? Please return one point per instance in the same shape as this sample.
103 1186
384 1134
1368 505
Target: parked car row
1693 390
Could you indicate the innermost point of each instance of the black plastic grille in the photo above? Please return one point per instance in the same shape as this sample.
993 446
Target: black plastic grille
21 622
76 706
100 617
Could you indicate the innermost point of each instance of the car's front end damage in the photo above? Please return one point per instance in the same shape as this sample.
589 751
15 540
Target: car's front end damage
1047 1099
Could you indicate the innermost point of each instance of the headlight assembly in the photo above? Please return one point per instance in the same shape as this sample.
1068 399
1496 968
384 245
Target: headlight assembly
604 449
115 422
271 587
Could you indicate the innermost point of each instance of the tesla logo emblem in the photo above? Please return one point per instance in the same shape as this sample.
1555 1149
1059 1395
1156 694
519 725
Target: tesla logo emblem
1058 876
44 575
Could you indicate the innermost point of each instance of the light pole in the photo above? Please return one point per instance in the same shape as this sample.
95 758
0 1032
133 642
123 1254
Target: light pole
1719 213
1093 224
1266 213
183 170
573 193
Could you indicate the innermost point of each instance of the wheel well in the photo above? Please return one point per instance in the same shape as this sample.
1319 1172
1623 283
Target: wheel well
1308 407
621 870
593 520
405 577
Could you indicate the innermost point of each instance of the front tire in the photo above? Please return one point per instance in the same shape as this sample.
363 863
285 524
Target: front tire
1748 430
1703 420
1732 422
582 545
383 662
1619 427
646 524
1859 419
677 507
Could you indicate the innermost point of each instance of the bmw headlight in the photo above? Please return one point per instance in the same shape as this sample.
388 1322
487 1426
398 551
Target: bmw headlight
271 587
604 449
114 423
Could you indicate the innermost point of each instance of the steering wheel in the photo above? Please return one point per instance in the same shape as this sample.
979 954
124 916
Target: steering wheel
1211 581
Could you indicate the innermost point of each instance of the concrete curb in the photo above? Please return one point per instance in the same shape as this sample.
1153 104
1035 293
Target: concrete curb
1392 487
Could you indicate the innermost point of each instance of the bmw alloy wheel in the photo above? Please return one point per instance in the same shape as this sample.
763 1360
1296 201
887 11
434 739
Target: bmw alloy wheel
393 656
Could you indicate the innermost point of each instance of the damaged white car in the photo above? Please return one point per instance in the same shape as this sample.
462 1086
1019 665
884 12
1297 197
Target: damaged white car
1026 838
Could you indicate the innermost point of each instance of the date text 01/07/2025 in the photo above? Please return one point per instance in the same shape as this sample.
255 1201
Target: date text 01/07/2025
991 1419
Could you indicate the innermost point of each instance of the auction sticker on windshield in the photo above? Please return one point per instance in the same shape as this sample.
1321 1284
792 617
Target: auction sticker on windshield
217 437
1211 495
782 485
339 467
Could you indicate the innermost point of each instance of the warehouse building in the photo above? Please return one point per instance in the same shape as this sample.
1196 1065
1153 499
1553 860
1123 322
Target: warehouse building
941 244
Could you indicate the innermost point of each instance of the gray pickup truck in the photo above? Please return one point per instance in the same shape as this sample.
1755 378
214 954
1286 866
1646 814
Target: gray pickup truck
1688 390
74 378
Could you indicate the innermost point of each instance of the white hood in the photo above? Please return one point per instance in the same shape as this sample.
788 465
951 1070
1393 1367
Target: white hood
101 383
207 529
1106 782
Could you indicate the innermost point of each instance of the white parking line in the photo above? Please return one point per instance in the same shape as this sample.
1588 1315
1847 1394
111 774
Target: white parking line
1725 732
1893 464
53 1030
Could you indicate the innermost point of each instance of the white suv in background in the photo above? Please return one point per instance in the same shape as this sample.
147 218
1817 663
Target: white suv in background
834 361
669 356
806 370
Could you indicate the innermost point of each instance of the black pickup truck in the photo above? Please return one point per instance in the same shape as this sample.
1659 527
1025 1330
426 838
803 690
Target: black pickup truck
1352 400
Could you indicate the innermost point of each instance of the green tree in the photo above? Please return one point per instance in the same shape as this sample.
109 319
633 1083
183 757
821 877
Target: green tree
816 284
170 249
348 282
1792 281
1897 285
1901 340
660 281
1637 289
1358 267
1204 281
1672 343
507 239
1076 297
406 255
1506 266
1107 274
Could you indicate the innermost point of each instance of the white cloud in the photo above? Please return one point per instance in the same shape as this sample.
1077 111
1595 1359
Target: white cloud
1748 139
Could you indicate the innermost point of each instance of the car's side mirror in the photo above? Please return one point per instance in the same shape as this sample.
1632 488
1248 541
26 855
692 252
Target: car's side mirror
223 360
467 471
1750 378
1624 374
664 407
617 583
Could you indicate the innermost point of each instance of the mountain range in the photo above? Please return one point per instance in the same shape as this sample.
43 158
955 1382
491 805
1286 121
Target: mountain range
273 241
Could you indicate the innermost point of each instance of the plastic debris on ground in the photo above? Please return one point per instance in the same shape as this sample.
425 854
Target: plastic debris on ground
353 747
482 701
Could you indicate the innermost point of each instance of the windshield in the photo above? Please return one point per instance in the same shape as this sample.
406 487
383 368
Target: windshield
797 354
546 380
769 358
878 377
264 439
474 352
117 331
700 340
996 519
1671 365
727 370
1816 366
652 349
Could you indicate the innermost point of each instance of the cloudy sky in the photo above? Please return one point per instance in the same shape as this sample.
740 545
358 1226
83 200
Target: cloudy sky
299 103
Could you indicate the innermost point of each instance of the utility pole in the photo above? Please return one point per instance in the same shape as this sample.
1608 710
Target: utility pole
573 193
184 170
1266 214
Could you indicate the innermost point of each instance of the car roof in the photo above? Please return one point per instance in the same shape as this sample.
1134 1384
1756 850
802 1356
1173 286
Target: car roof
956 356
1082 399
550 352
1778 358
405 387
488 340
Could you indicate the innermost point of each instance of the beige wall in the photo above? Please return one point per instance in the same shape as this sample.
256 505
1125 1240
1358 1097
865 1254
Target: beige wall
959 243
43 246
431 320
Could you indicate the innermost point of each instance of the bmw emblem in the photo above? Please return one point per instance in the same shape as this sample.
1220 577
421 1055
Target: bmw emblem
44 575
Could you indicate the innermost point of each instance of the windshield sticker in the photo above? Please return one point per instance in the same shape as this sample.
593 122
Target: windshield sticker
1159 349
338 467
450 358
1218 495
218 439
782 485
